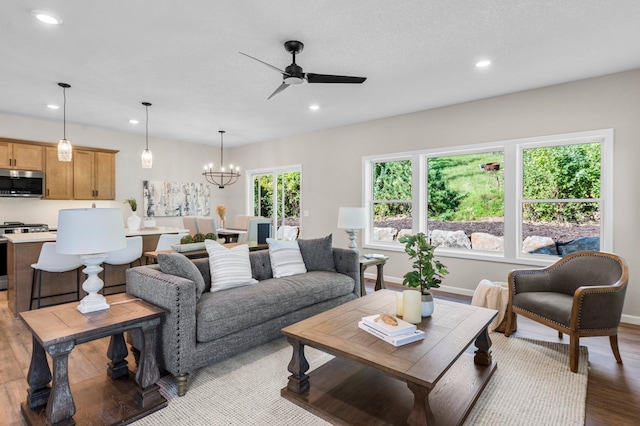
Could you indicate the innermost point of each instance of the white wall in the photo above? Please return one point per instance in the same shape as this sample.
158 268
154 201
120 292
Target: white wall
332 160
172 161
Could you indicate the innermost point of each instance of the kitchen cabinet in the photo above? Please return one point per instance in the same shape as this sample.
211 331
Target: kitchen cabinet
58 176
21 156
94 175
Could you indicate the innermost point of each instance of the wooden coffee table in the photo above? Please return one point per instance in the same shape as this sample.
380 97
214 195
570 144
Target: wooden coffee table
435 381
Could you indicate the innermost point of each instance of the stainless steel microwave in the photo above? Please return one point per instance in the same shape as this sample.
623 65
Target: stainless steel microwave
21 183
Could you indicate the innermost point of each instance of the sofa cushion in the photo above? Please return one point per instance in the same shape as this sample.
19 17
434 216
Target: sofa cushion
229 267
181 266
318 254
286 259
226 312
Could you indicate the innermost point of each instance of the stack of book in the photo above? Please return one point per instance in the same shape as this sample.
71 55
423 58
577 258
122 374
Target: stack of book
397 335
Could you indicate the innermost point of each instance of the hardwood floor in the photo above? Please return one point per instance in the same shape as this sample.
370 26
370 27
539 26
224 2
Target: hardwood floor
613 393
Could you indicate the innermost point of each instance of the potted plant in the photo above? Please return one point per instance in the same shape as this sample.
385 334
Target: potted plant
133 221
428 272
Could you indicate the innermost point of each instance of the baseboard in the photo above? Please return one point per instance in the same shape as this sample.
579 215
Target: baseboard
626 319
630 319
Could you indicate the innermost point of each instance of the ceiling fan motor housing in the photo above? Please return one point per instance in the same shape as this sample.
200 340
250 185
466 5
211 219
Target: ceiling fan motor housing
296 75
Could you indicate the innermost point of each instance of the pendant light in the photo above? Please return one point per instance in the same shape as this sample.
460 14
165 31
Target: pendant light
147 157
65 150
222 177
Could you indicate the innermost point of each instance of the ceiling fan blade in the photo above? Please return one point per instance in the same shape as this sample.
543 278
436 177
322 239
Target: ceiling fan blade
269 65
278 90
327 78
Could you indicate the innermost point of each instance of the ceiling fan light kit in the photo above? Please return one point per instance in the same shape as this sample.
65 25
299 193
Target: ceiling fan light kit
294 74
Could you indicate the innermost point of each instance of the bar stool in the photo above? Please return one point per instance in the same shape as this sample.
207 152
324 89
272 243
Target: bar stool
166 241
51 261
127 255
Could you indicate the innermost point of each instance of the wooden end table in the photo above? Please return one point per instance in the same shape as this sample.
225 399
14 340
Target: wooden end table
434 381
58 329
379 262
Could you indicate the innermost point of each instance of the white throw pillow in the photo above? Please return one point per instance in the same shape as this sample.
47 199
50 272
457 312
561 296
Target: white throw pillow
286 259
229 267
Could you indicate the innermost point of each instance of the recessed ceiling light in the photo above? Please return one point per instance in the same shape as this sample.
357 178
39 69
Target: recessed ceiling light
52 106
314 107
133 121
46 17
483 64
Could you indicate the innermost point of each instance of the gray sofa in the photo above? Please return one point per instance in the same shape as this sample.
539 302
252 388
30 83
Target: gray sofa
201 331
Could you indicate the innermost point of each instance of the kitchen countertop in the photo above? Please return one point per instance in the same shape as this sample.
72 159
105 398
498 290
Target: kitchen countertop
51 236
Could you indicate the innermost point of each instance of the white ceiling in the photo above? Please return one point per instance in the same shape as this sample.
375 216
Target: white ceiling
182 56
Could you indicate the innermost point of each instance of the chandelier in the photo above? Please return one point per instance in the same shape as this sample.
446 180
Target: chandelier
222 177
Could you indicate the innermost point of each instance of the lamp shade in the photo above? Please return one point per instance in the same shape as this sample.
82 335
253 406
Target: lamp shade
352 218
90 231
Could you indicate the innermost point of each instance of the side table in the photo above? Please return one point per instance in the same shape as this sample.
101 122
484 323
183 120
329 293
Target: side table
379 262
56 330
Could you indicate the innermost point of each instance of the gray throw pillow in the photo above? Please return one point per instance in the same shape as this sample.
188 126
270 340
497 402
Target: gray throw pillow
179 265
318 254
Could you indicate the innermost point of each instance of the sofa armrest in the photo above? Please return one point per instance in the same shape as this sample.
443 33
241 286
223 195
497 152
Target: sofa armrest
177 296
347 262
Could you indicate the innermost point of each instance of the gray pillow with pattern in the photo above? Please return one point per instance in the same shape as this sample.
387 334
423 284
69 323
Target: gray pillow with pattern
179 265
317 254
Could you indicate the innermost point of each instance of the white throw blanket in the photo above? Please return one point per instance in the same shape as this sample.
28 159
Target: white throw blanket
494 296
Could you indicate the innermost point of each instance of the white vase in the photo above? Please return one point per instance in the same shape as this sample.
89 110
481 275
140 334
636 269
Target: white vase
427 305
133 222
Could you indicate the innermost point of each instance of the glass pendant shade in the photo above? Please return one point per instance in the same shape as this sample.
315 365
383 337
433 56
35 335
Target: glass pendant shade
65 150
147 156
147 159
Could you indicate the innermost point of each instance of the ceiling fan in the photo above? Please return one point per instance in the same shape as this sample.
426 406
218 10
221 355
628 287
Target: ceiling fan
293 74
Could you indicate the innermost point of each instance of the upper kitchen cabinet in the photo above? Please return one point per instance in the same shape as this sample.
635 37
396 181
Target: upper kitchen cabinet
58 176
94 175
21 156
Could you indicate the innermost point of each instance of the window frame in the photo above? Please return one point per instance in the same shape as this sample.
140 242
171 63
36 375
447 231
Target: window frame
513 176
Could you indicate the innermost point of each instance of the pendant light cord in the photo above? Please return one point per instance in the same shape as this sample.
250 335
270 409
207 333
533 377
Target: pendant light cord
146 131
64 113
221 149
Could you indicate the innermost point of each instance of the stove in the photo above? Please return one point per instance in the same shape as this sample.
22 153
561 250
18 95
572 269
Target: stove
22 228
14 228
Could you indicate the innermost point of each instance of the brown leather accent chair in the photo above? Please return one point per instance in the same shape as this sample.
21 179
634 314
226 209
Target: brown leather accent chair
580 295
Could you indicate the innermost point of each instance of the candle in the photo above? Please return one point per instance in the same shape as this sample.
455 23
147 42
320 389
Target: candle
399 304
412 306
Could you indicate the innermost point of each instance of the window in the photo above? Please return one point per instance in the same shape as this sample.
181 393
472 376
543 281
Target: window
527 200
276 194
391 199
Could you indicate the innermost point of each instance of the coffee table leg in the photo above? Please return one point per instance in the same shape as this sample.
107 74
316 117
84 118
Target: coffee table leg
421 413
298 366
60 407
38 377
483 354
117 353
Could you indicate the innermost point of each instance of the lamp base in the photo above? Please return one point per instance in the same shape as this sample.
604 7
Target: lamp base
93 301
353 233
88 304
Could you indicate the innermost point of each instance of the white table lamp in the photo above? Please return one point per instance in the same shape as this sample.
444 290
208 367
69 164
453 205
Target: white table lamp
352 219
90 233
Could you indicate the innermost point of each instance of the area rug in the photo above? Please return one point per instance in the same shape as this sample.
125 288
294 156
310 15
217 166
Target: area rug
531 386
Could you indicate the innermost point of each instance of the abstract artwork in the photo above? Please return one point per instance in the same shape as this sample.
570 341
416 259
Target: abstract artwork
175 199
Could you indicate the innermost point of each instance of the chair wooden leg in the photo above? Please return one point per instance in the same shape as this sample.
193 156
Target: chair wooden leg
574 351
33 289
510 316
613 340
